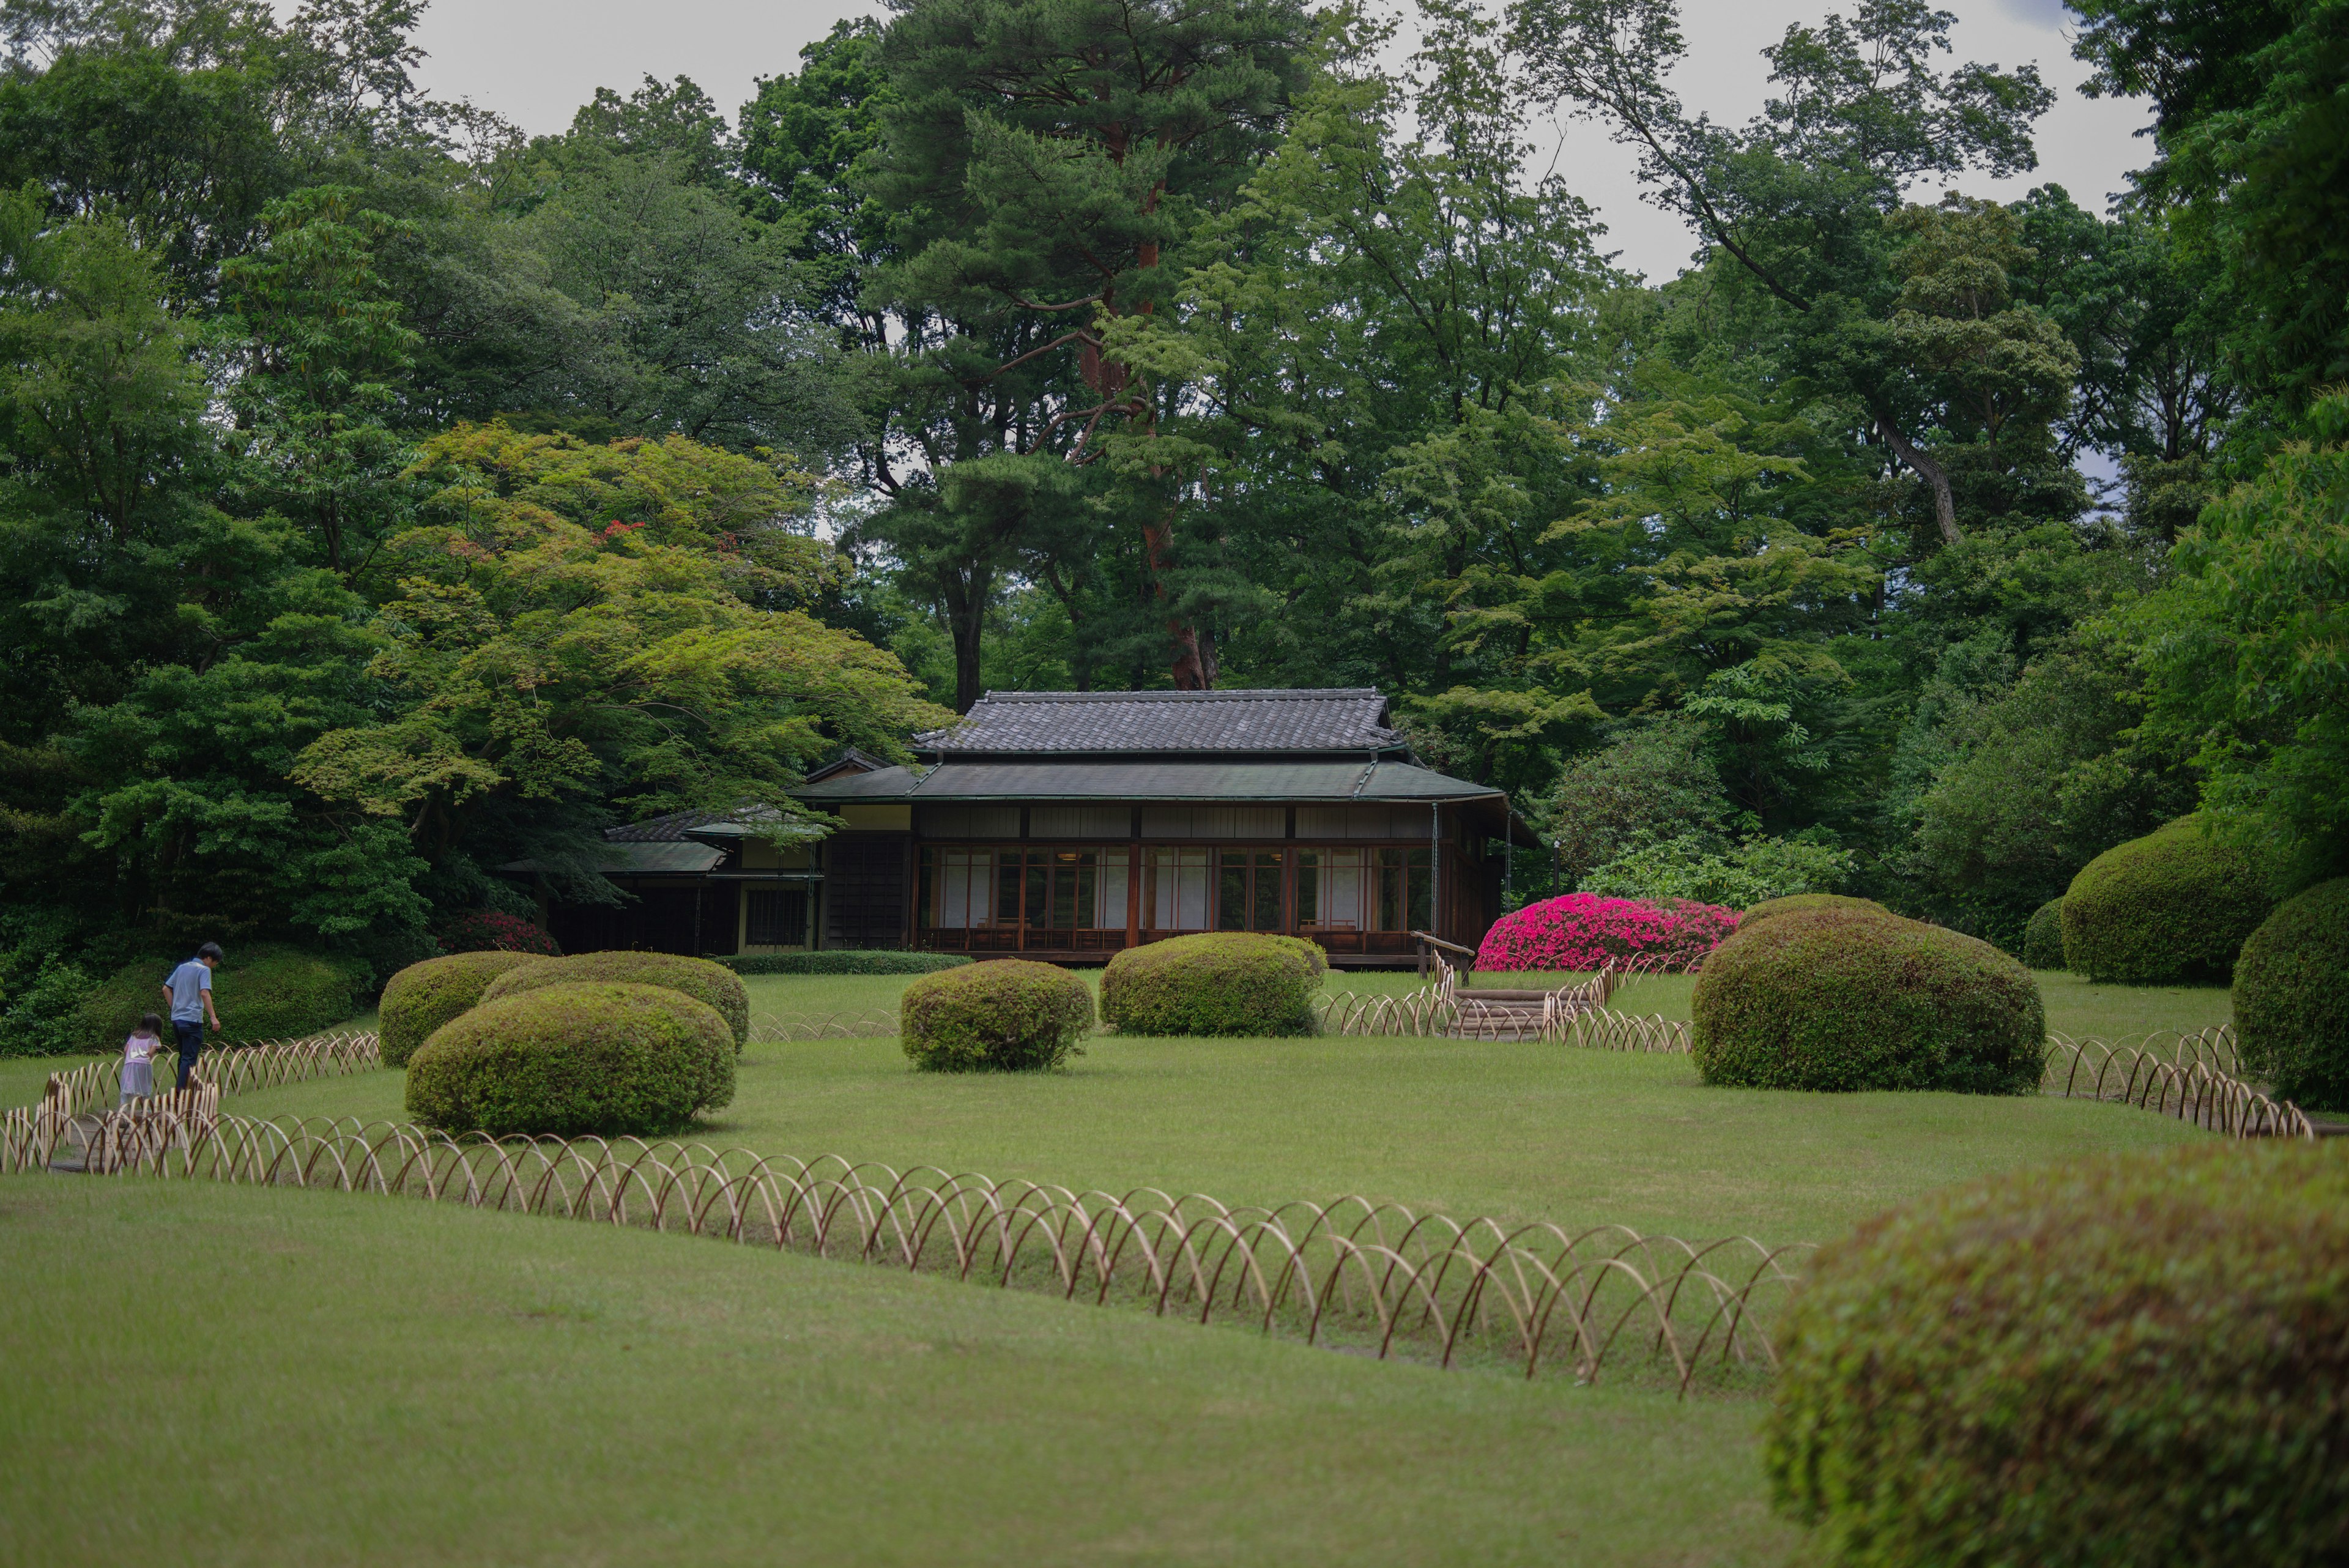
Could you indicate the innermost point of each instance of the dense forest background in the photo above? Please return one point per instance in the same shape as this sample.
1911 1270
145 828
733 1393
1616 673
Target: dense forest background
386 495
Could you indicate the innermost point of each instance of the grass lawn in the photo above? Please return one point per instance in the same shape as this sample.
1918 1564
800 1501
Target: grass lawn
209 1376
1523 1131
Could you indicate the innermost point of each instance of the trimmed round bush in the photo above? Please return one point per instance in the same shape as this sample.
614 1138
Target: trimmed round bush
422 997
1004 1015
265 992
1583 931
1844 999
1216 982
2292 998
2135 1360
2175 905
565 1061
712 984
1770 909
2042 936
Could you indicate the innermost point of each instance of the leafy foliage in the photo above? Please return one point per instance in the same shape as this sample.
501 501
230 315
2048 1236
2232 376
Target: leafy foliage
598 1058
2136 1358
1751 872
2173 905
263 991
1003 1015
2292 998
422 997
713 985
1841 1000
1216 982
2042 936
478 930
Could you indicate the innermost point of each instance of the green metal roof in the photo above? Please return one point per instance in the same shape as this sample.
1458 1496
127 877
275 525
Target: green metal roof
1311 782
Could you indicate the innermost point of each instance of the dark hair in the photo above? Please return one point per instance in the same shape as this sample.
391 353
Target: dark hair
210 951
151 1024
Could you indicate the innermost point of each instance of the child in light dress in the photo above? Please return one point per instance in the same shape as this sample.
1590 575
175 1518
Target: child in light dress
139 1059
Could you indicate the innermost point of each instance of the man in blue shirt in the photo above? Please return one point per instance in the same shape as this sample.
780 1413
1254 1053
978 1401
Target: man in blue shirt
189 989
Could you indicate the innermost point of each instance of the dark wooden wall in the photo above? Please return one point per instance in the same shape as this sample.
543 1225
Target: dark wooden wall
867 878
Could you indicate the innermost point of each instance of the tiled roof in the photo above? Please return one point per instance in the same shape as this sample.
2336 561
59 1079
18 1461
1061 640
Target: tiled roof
1350 718
1295 781
670 829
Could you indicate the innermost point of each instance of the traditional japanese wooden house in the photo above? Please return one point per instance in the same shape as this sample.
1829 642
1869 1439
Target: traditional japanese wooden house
1068 825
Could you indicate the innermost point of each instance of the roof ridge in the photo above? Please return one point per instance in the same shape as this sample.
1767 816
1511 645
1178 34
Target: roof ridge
1260 694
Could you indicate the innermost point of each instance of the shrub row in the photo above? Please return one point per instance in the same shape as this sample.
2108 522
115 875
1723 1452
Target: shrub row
1216 982
2135 1360
1844 999
843 961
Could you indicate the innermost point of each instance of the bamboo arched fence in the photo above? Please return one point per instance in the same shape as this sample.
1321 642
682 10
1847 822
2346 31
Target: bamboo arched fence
1373 1277
2193 1077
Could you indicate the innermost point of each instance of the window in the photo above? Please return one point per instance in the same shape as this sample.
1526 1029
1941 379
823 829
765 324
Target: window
776 918
1247 890
958 888
1405 903
1174 891
1329 888
1046 889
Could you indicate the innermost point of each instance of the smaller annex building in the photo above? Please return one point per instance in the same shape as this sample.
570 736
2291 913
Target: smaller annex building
1068 825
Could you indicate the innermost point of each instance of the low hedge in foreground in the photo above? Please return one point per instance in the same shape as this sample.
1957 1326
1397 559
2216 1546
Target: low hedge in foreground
2042 936
1004 1015
2135 1360
1845 998
422 997
2173 906
569 1060
714 985
2292 998
843 961
1216 982
265 992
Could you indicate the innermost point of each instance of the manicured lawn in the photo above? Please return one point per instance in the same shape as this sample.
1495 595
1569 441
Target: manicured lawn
1523 1131
200 1375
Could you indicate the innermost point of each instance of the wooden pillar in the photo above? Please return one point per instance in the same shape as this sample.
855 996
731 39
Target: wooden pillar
1134 894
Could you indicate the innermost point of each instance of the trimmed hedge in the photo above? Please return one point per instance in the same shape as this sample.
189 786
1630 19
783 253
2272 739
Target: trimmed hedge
566 1061
2042 936
2135 1360
2292 998
2175 905
266 991
1216 982
712 984
422 997
1770 909
1844 999
1004 1015
847 961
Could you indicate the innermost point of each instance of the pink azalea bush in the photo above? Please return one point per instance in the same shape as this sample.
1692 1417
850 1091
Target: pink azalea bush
1584 931
486 930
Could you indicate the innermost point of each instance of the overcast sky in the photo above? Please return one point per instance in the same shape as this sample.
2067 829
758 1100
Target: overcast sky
535 61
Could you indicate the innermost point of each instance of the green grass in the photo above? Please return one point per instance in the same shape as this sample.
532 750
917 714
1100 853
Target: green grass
1522 1130
200 1375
